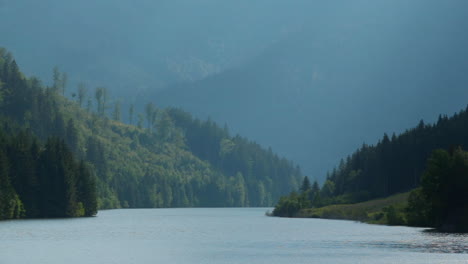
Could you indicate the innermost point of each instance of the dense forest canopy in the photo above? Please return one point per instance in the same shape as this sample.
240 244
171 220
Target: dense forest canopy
441 201
163 158
42 180
396 163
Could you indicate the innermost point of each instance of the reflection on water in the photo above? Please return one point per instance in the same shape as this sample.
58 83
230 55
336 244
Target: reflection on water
218 236
429 242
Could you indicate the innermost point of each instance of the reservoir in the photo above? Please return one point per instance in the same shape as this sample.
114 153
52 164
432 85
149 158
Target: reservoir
224 235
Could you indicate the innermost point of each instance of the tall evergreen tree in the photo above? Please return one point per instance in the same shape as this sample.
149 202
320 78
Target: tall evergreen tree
87 190
56 77
64 82
116 115
305 184
131 111
72 135
149 111
82 91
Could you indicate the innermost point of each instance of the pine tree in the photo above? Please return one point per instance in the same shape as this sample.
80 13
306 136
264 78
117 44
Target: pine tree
101 99
149 111
89 105
82 91
131 111
63 83
10 205
116 115
56 77
140 121
87 190
72 135
305 184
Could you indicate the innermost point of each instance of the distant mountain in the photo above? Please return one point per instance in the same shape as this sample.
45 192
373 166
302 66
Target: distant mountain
132 46
345 78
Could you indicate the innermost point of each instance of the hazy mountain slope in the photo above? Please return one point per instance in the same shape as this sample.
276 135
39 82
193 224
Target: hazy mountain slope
345 79
131 46
177 161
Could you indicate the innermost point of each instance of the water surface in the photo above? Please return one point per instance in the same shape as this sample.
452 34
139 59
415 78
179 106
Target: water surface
219 236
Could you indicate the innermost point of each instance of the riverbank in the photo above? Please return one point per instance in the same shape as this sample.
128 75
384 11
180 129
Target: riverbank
386 211
218 236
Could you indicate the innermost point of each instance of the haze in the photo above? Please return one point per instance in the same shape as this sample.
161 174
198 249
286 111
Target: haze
311 79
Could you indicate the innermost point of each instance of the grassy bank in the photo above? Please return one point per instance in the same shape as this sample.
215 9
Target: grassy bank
387 211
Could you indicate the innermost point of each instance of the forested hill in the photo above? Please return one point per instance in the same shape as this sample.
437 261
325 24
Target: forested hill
428 160
396 163
167 159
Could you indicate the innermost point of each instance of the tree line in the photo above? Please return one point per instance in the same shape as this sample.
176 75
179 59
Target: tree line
42 180
160 158
427 159
395 164
441 201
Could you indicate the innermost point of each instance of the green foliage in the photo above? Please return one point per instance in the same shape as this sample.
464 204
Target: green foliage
10 205
86 185
82 91
441 202
56 79
116 115
38 181
59 188
266 176
140 121
305 184
417 211
1 92
131 111
328 189
388 211
395 164
151 113
290 206
393 217
101 99
178 161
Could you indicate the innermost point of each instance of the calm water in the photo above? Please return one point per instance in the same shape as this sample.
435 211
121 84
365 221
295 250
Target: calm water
219 236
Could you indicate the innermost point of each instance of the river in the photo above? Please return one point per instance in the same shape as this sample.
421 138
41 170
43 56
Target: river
240 235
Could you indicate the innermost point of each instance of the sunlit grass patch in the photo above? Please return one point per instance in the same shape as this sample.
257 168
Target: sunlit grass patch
379 211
